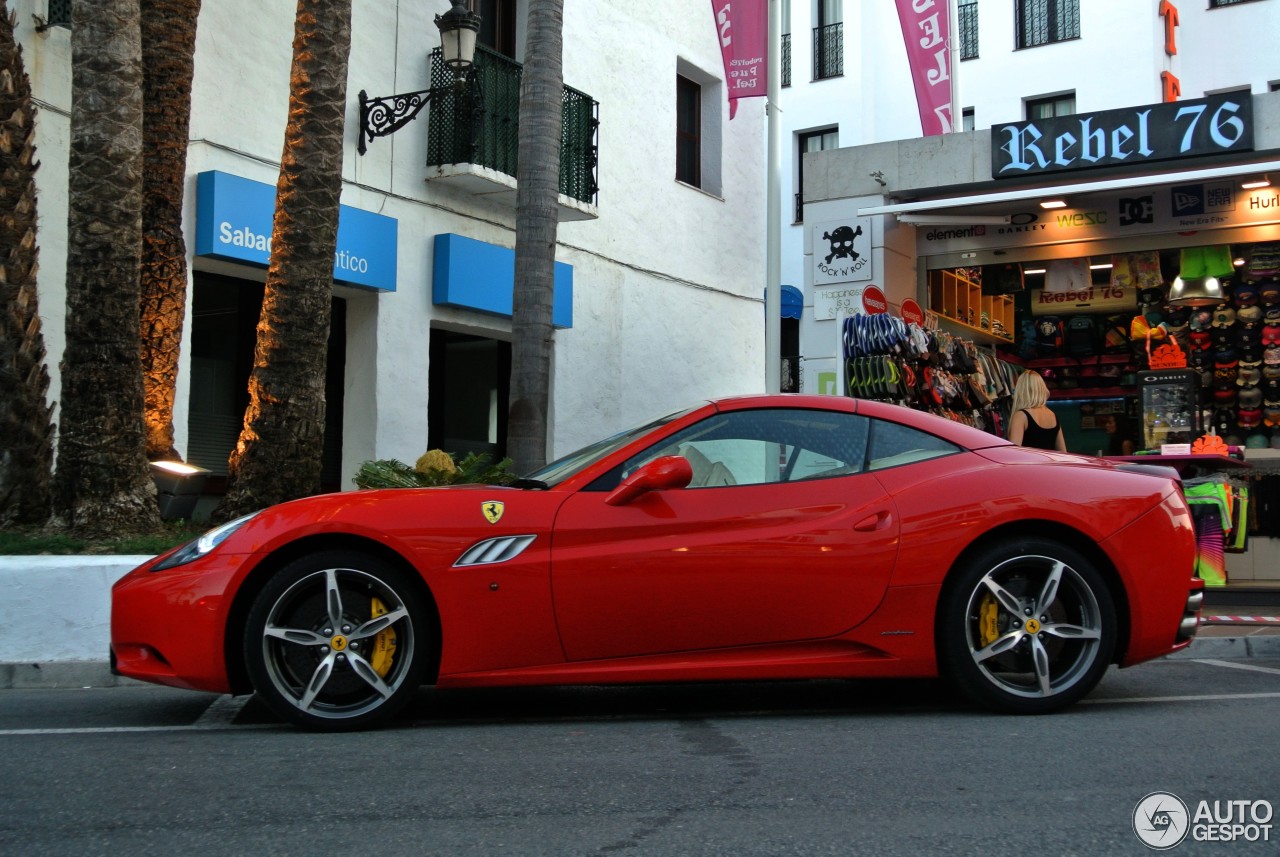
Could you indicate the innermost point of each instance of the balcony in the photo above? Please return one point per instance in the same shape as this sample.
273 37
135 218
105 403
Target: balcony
828 51
472 136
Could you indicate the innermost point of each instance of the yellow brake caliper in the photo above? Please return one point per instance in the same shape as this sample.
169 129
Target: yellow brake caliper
988 620
384 642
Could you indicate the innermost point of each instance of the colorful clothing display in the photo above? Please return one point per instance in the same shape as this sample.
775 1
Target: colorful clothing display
1206 262
1067 275
1136 270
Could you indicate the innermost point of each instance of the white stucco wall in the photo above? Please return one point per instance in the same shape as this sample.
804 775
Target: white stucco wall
58 608
668 281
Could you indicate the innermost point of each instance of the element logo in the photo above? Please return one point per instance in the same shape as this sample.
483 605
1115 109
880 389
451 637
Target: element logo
1161 821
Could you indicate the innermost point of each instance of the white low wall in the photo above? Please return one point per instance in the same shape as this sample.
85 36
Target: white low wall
55 622
58 608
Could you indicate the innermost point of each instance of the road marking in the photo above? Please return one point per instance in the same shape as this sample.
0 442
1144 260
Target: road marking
1235 666
1212 697
222 712
95 730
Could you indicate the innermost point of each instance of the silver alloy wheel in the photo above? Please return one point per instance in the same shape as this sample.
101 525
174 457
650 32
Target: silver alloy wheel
1033 626
338 643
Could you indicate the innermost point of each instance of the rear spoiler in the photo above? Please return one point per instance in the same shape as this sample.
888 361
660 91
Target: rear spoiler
1152 470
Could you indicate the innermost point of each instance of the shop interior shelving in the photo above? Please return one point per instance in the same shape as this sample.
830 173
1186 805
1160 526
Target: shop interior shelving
959 305
1113 391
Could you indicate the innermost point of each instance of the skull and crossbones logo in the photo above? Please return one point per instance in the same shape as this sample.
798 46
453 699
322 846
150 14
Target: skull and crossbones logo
841 241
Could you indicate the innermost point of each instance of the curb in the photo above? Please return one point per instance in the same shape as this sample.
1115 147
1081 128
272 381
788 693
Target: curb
1230 647
62 674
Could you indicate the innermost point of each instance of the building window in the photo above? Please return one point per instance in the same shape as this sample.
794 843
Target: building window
59 13
967 25
1042 22
828 41
498 26
1054 105
688 131
813 141
966 119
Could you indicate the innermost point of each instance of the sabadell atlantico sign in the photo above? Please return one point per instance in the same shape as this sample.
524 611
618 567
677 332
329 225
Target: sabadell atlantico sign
1128 136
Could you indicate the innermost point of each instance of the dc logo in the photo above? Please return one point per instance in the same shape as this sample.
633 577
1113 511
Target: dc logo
1161 820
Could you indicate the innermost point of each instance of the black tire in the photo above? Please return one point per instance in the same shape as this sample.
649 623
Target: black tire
337 641
1004 649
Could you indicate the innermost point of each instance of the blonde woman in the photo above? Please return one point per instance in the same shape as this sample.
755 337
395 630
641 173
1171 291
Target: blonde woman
1031 422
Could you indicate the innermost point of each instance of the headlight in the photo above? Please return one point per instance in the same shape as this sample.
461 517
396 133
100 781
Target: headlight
193 550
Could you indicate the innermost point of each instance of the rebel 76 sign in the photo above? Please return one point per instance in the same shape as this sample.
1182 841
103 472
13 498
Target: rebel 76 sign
1129 136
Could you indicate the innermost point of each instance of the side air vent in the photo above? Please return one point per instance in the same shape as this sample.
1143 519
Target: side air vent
490 551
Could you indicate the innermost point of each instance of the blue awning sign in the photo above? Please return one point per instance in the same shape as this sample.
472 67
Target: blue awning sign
233 223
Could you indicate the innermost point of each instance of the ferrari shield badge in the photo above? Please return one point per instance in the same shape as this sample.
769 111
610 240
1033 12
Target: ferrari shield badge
492 510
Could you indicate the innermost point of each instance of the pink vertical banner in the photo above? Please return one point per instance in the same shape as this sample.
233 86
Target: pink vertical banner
743 29
926 30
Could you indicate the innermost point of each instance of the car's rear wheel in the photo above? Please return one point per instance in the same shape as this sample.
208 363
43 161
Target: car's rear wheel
337 640
1026 627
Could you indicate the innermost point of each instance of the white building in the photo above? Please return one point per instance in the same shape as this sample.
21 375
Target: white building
660 283
1012 60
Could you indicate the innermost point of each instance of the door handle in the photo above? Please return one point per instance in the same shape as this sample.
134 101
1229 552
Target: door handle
871 523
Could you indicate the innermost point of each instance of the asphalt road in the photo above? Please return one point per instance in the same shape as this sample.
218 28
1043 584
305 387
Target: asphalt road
805 768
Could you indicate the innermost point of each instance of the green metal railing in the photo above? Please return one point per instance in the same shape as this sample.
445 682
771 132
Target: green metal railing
480 124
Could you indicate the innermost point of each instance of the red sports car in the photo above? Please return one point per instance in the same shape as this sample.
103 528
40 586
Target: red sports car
765 537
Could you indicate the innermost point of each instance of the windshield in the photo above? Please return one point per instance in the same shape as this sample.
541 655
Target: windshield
575 462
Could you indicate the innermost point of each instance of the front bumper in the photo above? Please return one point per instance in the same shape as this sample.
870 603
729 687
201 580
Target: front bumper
169 627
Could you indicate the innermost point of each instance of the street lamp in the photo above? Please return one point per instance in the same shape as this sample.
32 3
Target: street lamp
380 117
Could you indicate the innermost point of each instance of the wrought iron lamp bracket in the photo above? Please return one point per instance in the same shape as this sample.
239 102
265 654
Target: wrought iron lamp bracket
382 116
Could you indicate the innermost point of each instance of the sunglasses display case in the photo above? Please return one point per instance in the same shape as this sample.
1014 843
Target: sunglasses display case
1169 400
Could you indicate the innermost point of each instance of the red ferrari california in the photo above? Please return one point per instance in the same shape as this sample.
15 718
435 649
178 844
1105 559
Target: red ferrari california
765 537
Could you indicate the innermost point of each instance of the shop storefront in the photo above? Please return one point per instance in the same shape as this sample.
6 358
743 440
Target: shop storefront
1162 253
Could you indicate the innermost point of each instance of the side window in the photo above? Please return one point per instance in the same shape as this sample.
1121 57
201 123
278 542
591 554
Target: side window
893 444
766 446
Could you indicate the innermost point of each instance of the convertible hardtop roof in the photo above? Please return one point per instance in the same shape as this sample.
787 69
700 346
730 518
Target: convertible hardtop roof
949 430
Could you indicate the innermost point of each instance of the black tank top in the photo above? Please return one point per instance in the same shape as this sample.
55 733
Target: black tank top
1038 436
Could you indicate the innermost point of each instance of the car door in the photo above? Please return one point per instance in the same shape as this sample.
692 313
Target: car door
781 536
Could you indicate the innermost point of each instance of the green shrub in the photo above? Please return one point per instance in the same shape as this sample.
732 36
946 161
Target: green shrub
34 541
436 467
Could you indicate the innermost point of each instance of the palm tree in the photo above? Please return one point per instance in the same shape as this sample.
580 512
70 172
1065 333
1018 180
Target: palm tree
278 454
168 61
26 427
103 484
538 182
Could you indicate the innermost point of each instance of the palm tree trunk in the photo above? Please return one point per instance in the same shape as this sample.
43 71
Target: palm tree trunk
168 61
538 183
103 482
278 455
26 427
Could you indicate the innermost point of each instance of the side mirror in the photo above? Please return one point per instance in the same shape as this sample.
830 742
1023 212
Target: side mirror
669 471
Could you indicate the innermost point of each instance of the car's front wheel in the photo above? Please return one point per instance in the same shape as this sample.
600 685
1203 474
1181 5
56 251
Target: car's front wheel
337 640
1026 627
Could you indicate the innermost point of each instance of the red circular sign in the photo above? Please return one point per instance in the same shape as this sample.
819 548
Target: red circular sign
873 300
911 312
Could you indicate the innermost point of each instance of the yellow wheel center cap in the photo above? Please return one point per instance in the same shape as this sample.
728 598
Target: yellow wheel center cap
1032 627
338 643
